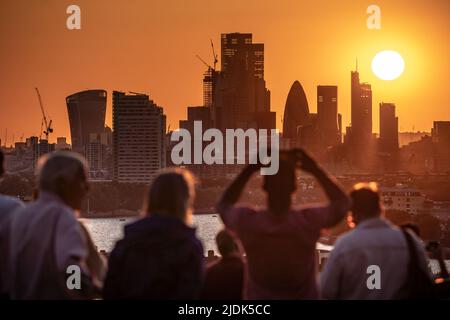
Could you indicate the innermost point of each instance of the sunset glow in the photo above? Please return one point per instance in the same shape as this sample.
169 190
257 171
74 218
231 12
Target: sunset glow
388 65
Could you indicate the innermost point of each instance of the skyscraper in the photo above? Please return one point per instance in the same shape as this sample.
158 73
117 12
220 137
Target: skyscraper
296 112
209 81
327 116
241 99
441 145
87 110
361 109
139 128
388 128
239 53
359 135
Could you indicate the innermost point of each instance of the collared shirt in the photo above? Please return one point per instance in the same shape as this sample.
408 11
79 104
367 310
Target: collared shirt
374 242
7 206
44 239
281 249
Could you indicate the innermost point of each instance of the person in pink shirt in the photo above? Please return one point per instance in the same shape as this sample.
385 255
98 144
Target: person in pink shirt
280 241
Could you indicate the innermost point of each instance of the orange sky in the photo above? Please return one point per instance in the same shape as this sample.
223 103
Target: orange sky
150 46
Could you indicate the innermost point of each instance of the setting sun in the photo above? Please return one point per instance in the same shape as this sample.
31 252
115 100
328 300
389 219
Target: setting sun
388 65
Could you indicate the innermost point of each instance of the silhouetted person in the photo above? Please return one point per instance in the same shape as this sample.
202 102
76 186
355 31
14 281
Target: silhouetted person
46 237
280 241
225 278
211 257
376 249
7 206
434 250
160 256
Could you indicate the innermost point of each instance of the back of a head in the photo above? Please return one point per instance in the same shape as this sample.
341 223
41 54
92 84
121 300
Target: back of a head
60 170
172 194
366 201
280 186
226 243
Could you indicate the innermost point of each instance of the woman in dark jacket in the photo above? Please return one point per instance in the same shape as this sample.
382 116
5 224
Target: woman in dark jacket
160 256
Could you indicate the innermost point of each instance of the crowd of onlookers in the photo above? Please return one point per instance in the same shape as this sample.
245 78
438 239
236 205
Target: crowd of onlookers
266 253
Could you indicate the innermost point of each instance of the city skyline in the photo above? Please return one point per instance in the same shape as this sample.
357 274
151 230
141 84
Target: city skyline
79 60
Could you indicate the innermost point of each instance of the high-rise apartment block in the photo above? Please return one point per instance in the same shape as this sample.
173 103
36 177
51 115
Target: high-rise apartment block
139 128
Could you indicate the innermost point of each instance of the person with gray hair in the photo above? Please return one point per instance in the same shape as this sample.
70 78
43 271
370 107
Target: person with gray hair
47 247
7 206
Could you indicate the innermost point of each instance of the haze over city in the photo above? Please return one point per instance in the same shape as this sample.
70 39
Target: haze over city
225 150
151 47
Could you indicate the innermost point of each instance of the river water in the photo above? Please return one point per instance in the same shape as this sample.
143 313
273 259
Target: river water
106 231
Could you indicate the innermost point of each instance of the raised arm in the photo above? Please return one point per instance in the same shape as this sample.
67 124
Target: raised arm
339 202
233 192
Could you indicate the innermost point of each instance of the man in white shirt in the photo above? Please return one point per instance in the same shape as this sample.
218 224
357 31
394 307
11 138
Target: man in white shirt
371 261
45 238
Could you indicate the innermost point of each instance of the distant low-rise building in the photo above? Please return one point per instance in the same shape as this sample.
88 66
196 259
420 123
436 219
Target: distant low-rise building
403 199
61 144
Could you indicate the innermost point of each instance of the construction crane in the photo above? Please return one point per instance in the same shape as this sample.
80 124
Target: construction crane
214 55
206 64
48 125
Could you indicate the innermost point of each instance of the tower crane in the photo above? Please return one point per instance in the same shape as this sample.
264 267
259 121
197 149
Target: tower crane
48 125
214 55
206 64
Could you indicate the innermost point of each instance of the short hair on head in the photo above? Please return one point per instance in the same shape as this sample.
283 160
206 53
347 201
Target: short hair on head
171 193
280 186
226 243
60 166
284 179
366 199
